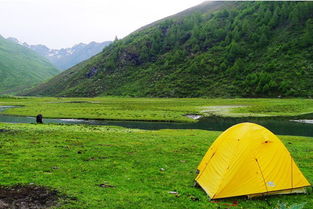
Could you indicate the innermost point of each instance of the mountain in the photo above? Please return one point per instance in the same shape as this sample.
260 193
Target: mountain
216 49
67 57
21 67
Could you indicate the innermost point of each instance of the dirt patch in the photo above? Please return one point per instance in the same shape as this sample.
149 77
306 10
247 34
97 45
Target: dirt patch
27 197
106 185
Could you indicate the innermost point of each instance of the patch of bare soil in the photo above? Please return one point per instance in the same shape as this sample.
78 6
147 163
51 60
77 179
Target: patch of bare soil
27 197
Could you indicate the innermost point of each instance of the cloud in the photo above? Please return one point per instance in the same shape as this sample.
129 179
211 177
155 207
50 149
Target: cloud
63 23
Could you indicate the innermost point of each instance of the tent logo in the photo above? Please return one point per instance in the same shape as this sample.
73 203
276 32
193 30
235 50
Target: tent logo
271 184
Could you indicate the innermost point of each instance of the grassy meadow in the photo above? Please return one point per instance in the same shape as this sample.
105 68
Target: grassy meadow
142 166
114 167
153 109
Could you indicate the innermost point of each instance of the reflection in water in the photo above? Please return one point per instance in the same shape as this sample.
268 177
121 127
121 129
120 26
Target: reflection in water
303 121
281 126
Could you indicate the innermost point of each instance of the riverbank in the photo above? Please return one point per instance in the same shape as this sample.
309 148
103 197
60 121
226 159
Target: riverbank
103 167
154 109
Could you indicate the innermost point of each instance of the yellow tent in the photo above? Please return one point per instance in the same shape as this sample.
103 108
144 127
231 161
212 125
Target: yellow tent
247 159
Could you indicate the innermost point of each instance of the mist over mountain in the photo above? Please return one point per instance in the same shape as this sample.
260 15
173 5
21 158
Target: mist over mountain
216 49
66 57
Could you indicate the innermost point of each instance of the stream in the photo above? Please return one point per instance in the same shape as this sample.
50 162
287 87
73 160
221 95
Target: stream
278 125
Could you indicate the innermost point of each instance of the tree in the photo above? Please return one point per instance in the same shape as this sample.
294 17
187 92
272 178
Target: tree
308 34
274 20
234 50
263 40
294 16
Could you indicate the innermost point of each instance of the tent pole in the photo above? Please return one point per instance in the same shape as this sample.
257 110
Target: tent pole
261 174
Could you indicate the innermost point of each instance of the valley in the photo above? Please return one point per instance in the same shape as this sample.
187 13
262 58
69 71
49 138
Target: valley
77 159
125 123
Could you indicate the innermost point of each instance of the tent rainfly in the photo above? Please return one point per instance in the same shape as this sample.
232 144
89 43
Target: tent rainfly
248 159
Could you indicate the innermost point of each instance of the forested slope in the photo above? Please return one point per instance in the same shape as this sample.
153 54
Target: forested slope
246 49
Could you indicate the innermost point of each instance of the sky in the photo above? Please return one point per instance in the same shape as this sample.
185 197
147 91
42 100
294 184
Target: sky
64 23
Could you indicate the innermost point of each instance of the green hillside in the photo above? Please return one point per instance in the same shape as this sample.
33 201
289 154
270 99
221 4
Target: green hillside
21 68
225 49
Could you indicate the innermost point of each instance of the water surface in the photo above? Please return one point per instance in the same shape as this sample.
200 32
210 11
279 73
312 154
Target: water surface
278 125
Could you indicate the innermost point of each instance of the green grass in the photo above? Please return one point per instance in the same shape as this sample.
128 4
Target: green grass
21 68
154 109
75 159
